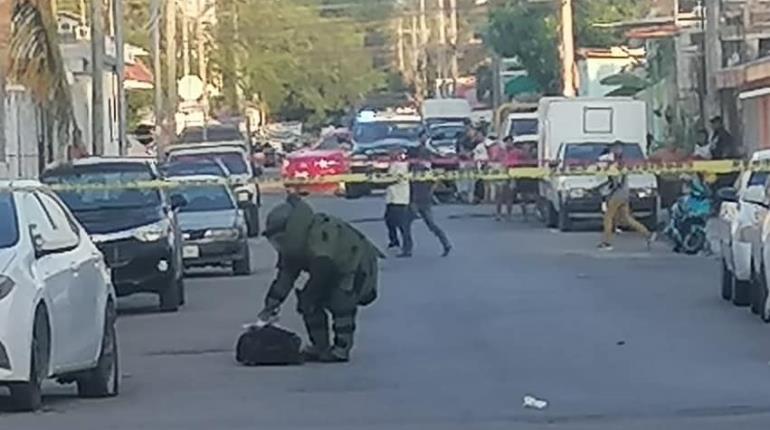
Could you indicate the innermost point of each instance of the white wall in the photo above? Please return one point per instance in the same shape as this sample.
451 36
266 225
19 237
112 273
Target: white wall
22 133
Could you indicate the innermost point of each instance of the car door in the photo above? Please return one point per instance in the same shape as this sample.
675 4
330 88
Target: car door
53 270
88 290
728 214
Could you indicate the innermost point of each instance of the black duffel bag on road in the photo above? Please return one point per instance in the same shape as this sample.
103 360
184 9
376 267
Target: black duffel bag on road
268 346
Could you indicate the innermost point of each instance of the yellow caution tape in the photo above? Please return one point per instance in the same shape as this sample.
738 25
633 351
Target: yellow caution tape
710 168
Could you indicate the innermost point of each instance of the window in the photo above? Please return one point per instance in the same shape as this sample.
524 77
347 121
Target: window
50 220
205 199
597 120
9 228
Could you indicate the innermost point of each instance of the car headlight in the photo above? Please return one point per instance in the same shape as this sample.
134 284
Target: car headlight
222 233
577 193
644 193
243 195
6 286
152 232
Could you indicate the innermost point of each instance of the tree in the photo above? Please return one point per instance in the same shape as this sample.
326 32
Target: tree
34 60
299 63
529 32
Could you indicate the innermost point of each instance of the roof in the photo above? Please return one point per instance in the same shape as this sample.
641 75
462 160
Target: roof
20 183
211 133
139 73
763 154
612 52
196 178
206 148
90 161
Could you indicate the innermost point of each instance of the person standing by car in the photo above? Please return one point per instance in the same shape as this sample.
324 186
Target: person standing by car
421 194
618 208
397 213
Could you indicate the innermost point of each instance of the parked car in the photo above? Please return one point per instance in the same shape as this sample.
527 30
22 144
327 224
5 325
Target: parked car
374 158
236 157
57 303
136 229
741 214
328 157
444 137
213 227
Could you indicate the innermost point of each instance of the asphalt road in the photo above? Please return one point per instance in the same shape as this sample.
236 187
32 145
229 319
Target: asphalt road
627 339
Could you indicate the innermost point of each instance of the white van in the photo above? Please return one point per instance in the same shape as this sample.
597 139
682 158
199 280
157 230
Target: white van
576 131
442 110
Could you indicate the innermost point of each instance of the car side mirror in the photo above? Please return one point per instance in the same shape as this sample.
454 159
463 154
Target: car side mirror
728 194
178 201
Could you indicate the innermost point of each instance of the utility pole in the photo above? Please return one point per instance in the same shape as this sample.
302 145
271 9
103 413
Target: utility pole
400 44
567 49
417 74
713 57
423 25
185 43
120 70
97 77
171 96
200 47
441 18
453 39
155 17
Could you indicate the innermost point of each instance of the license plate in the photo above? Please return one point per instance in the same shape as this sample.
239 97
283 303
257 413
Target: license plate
190 251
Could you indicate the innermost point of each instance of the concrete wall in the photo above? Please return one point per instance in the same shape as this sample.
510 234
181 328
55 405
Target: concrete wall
23 134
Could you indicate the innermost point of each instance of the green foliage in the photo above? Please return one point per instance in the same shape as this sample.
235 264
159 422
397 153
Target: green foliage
529 31
299 63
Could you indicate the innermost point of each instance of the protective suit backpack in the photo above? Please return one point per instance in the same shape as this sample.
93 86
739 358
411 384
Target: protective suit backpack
268 346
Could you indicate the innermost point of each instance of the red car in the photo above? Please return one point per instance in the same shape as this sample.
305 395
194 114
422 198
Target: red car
328 157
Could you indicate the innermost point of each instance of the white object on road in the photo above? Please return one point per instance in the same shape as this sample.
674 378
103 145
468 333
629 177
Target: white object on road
533 402
54 293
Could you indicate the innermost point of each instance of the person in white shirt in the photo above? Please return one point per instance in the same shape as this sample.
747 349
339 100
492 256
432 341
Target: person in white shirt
398 216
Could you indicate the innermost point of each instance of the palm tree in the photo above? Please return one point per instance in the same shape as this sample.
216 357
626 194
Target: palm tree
31 57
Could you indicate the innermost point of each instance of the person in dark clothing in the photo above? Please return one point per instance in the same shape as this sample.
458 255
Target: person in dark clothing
722 143
421 195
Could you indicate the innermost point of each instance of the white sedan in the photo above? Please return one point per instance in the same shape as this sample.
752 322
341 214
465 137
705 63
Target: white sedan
57 303
740 220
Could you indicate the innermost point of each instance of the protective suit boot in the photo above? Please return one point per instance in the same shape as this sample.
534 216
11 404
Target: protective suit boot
312 353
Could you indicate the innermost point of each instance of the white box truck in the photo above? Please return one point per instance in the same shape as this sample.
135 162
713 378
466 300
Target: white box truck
577 131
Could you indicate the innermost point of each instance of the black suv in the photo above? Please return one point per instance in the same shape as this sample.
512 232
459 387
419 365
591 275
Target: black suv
136 229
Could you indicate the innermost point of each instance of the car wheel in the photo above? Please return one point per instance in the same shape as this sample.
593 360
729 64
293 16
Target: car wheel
242 267
551 216
741 292
727 282
756 305
252 221
764 298
171 296
104 379
28 396
565 223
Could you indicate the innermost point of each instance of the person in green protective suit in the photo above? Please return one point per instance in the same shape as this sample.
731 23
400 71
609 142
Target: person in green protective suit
342 265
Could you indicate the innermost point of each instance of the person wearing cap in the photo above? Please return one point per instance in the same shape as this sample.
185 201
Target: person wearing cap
342 265
618 206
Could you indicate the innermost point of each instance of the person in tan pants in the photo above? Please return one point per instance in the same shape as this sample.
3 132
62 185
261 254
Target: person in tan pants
618 207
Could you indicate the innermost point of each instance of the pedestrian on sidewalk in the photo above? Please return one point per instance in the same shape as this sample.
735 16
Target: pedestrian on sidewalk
421 194
398 217
618 207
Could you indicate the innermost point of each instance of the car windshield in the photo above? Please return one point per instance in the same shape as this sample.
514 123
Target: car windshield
9 228
384 148
102 187
589 152
369 132
194 169
234 161
331 142
206 198
446 135
757 179
520 127
211 134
